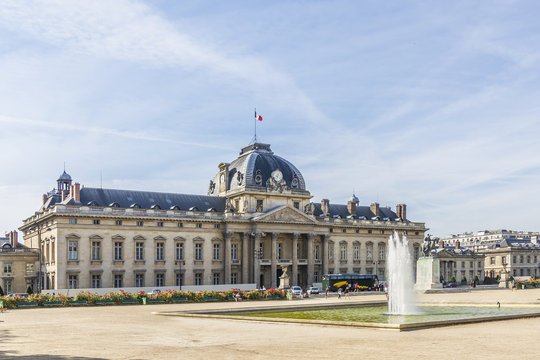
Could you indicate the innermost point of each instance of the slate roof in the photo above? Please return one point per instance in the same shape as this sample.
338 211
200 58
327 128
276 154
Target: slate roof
341 210
149 199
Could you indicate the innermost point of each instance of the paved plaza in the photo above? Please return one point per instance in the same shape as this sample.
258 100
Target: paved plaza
133 332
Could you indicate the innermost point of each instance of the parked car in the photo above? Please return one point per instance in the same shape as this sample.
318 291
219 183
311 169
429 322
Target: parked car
313 290
18 294
296 290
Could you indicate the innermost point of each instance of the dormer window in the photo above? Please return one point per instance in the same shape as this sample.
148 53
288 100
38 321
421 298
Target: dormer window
135 206
114 204
155 206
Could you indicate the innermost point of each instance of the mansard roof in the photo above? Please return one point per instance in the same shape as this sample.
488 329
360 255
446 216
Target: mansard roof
365 211
149 199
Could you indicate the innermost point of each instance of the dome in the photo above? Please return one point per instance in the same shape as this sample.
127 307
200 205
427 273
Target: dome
64 176
354 199
257 167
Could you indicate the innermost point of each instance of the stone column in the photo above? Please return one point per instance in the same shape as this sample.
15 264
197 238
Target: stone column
245 258
273 261
311 258
294 273
256 261
325 253
227 257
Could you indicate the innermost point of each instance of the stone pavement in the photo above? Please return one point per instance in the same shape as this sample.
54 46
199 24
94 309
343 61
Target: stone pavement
132 332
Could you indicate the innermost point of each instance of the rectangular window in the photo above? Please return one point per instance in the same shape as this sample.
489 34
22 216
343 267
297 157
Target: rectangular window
72 221
381 252
369 253
504 260
118 253
179 279
73 250
180 225
234 278
521 259
316 252
139 280
261 251
198 251
198 226
160 251
96 281
160 279
73 282
7 268
343 252
279 251
140 223
216 226
259 207
160 223
139 251
330 252
97 221
118 222
492 260
96 250
216 278
179 254
369 231
234 251
216 252
463 264
296 205
316 276
356 252
8 286
514 259
198 279
118 280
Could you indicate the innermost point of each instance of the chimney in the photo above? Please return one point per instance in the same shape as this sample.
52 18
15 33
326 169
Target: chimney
457 245
374 207
441 244
64 195
71 191
325 206
13 238
77 192
401 211
352 204
44 198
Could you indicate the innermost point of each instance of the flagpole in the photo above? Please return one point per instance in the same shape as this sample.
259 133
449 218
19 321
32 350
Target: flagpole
255 125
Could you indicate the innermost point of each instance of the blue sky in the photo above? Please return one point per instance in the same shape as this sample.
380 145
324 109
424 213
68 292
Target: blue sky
433 104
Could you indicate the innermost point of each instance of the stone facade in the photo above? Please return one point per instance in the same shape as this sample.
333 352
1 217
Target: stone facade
18 265
518 259
257 218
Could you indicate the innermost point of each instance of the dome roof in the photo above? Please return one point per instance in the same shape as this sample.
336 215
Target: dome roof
64 176
256 167
354 199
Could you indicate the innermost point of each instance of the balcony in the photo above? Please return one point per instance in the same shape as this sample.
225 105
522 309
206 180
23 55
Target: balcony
265 261
302 261
284 262
235 262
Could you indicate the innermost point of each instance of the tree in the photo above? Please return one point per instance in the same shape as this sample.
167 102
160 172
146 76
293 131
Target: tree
463 280
453 279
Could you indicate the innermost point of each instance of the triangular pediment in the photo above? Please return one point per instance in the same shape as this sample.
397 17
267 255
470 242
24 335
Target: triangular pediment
285 214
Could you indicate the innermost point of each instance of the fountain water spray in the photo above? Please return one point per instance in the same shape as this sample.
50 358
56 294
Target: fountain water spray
399 267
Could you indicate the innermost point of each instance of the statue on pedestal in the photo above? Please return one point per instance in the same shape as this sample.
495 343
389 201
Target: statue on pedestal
284 279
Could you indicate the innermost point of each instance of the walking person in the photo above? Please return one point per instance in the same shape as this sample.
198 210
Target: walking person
339 293
326 292
347 296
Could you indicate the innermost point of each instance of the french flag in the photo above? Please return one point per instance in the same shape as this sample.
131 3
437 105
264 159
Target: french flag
258 116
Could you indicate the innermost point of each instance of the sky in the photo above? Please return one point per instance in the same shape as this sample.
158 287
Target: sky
432 104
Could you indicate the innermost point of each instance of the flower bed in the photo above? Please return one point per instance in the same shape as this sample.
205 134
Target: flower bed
528 284
123 297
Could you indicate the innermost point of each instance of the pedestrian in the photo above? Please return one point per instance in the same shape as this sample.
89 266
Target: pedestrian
326 292
339 293
347 293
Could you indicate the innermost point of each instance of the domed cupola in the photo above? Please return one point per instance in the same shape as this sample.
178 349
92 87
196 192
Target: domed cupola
257 168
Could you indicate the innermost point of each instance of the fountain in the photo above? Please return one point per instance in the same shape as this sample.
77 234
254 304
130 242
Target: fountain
399 267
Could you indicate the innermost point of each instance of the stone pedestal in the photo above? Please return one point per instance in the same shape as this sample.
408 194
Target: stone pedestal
284 279
428 273
504 283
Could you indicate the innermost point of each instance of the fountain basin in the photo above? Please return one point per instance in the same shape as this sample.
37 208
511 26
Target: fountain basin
370 316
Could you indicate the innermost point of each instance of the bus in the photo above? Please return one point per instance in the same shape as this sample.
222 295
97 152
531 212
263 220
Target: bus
336 281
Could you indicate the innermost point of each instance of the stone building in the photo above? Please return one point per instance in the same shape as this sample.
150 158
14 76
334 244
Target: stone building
486 238
18 265
459 262
256 218
514 257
